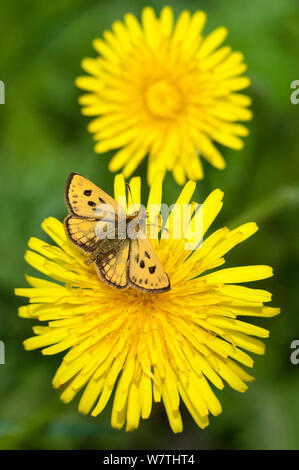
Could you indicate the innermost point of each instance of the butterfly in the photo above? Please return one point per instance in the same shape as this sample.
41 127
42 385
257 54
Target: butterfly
122 253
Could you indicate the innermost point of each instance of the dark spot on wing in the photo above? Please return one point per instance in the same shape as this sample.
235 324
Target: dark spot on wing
142 264
152 269
87 192
101 200
91 203
147 255
137 258
140 281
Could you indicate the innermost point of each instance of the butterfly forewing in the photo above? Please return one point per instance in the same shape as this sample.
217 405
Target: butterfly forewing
83 198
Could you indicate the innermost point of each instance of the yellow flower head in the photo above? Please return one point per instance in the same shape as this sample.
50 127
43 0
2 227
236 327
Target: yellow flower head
160 88
148 347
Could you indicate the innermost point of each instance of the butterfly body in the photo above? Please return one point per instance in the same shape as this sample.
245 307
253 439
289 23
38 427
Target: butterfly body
115 242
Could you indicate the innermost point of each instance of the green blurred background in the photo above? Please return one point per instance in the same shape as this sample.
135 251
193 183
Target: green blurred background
43 138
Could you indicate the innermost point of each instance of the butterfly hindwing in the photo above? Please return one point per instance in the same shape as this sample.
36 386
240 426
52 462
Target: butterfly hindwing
145 269
82 197
111 260
82 232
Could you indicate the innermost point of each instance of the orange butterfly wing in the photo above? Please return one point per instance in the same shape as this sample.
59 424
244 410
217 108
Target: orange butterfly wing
146 272
82 197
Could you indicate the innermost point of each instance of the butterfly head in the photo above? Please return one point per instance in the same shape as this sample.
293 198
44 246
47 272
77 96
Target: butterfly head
137 223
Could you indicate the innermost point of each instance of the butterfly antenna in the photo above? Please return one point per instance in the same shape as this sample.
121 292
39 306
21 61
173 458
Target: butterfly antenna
129 189
159 226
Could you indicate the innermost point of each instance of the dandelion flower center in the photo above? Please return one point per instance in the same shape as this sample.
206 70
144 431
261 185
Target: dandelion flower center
163 99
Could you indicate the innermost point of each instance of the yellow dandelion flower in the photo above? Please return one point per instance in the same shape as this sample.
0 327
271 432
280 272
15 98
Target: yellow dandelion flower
145 348
162 89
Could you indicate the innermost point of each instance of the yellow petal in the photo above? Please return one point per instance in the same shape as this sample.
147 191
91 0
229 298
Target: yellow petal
239 274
